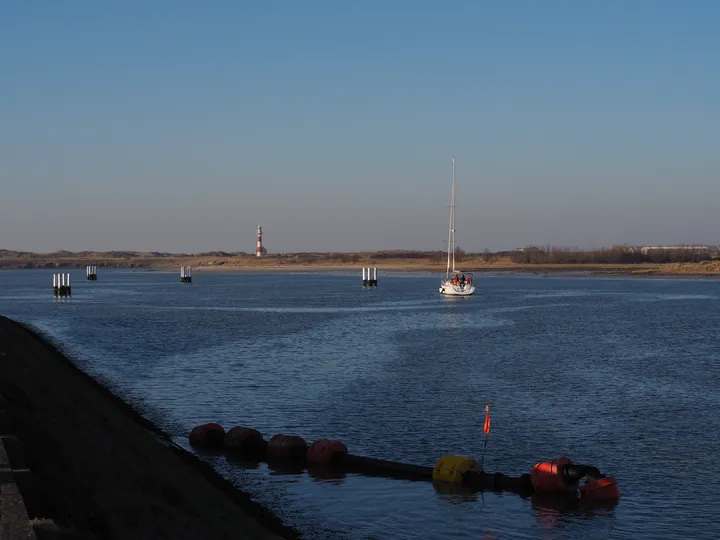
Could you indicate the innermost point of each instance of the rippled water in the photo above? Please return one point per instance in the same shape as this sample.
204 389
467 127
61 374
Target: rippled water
619 373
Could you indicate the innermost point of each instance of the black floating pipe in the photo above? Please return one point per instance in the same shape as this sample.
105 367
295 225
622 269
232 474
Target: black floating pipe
475 480
499 482
380 467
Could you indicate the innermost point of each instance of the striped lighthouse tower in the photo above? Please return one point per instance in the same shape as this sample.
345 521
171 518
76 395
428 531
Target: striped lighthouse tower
260 249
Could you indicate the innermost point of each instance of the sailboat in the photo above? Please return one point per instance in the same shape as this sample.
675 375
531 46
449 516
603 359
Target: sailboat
455 282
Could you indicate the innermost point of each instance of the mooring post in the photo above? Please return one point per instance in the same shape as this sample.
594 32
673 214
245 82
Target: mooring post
61 285
185 274
374 277
364 280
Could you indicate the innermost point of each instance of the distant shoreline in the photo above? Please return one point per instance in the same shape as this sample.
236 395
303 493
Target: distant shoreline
342 262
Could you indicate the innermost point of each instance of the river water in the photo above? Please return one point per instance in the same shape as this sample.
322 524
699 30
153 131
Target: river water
619 373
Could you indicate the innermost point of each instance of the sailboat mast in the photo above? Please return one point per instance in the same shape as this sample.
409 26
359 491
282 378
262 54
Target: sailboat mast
452 213
450 228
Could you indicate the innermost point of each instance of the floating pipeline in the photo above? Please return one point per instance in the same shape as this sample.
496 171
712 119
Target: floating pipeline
550 480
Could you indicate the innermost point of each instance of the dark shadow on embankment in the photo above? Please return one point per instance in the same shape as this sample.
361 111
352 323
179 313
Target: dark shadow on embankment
102 468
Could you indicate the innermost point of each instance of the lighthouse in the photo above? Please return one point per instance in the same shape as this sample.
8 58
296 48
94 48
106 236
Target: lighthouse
260 249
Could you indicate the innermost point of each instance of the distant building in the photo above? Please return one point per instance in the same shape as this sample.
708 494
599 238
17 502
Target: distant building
687 248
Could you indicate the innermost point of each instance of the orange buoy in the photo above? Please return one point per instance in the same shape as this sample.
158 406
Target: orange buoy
244 439
209 435
286 447
323 451
549 476
604 488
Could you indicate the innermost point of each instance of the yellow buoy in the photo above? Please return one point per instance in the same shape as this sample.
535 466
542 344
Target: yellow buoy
453 468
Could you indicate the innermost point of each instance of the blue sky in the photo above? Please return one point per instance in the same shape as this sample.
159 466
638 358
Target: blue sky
181 126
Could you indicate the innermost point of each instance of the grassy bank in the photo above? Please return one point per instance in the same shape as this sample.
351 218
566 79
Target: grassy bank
102 469
411 261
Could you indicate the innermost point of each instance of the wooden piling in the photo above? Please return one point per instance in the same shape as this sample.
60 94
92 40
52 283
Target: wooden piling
369 277
61 285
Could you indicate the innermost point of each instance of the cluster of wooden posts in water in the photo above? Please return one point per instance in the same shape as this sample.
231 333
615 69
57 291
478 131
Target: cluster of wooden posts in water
61 285
559 478
369 279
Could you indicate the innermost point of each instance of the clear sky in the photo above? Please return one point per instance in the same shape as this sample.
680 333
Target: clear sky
181 126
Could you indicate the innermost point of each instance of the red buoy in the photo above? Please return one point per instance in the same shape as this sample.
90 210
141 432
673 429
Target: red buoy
323 451
286 447
605 488
244 439
209 435
549 476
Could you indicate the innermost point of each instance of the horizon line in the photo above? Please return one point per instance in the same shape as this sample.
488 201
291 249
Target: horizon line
216 252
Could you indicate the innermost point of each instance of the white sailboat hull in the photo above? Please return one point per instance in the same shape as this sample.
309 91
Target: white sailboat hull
447 288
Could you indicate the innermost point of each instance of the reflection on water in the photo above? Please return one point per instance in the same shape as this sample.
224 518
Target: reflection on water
618 373
455 493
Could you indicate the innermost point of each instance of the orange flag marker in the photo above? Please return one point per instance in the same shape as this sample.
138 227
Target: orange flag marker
486 429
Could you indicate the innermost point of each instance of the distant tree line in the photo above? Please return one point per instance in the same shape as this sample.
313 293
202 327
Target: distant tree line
528 255
614 255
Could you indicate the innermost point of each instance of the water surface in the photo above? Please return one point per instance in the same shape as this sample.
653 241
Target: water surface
619 373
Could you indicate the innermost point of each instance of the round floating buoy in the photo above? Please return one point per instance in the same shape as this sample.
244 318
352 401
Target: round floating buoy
210 435
323 451
453 468
286 447
602 489
549 476
244 439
